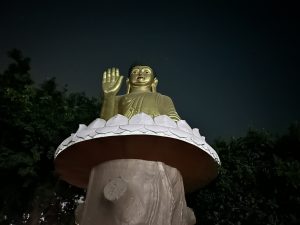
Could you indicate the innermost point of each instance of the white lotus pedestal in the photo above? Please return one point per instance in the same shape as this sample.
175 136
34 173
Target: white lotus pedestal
136 171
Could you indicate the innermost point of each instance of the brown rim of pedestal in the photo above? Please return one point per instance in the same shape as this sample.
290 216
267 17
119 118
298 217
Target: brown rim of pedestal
196 166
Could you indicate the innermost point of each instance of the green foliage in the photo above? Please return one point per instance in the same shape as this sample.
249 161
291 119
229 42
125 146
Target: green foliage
258 181
34 120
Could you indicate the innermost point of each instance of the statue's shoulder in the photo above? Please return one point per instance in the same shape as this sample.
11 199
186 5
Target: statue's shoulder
159 94
163 98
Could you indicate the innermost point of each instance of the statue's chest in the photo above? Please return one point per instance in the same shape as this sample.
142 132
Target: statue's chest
136 103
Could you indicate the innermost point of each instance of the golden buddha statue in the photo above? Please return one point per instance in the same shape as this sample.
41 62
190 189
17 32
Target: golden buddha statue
141 94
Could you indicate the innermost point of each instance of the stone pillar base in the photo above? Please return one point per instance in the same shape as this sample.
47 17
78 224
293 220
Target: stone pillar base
135 192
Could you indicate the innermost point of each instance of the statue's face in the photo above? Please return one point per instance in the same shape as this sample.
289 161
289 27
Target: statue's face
141 76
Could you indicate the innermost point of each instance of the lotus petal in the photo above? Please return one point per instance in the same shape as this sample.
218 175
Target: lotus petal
183 125
204 146
141 118
143 130
84 133
97 123
198 140
164 120
156 129
92 133
179 133
196 132
81 127
132 127
75 138
67 140
118 131
117 120
105 130
214 154
59 150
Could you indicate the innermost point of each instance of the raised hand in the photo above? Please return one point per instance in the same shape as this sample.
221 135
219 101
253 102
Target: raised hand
111 82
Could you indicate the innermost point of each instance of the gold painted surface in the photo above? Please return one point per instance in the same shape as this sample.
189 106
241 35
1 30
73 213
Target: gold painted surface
141 95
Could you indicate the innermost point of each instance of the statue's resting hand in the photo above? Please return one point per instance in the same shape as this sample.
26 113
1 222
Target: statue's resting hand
111 82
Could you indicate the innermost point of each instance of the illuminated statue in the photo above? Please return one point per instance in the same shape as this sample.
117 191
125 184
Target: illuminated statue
138 159
141 95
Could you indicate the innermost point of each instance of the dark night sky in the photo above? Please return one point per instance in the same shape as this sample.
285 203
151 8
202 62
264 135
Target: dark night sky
228 66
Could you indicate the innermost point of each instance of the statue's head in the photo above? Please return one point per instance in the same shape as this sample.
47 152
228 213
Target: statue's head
141 76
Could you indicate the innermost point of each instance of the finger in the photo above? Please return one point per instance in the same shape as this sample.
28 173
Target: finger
108 78
104 77
110 74
108 71
119 81
113 74
117 73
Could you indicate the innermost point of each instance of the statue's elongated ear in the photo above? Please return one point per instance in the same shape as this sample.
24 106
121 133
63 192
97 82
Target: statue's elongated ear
154 85
128 86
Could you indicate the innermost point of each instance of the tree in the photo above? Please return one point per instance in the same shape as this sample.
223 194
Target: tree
259 181
34 120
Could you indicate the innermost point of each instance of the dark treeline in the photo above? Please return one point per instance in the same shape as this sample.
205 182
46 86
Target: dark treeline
258 183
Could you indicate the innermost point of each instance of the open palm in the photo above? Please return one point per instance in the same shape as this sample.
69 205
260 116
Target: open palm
111 82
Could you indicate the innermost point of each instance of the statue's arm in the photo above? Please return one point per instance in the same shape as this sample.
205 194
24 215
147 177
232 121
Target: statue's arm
109 107
168 108
111 84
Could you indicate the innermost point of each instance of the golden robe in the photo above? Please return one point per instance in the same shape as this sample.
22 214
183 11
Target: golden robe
153 104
